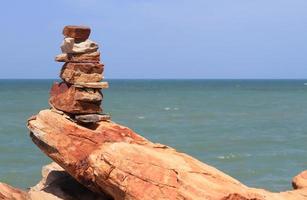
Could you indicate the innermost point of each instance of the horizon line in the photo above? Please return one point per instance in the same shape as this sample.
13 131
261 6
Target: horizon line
165 78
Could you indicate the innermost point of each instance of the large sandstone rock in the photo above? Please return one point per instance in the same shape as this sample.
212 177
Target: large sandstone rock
82 72
112 159
80 33
93 57
74 100
69 45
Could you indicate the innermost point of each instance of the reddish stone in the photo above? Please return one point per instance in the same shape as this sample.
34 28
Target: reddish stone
87 68
75 100
82 72
93 57
77 32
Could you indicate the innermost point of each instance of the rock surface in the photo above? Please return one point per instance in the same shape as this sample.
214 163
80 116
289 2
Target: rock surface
9 193
69 45
74 100
300 181
56 184
80 33
112 159
93 57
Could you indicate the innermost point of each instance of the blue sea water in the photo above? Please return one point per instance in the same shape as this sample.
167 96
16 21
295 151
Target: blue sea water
254 130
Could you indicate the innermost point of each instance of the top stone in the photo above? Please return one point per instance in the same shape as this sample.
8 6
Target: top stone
80 33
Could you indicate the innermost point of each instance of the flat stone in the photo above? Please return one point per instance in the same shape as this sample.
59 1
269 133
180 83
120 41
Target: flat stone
82 72
85 67
69 45
74 100
93 57
71 76
92 118
97 85
77 32
88 95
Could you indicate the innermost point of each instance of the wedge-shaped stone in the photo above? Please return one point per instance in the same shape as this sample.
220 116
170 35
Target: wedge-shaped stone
92 118
69 45
75 100
97 85
82 72
77 32
93 57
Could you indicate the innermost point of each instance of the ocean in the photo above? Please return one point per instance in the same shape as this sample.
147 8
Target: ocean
253 130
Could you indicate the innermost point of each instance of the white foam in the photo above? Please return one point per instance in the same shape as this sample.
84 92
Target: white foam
167 108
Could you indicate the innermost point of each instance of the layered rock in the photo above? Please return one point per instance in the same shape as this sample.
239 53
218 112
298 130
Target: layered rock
112 159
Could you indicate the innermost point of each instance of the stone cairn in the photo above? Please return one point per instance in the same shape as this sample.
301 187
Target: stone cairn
79 95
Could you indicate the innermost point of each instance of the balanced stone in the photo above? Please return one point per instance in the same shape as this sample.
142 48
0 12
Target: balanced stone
87 68
69 45
82 72
98 85
74 100
92 118
93 57
77 32
88 95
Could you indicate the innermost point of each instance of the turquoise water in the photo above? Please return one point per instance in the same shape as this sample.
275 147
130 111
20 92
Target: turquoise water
256 131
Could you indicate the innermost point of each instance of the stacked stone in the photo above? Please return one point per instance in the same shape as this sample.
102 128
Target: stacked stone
79 95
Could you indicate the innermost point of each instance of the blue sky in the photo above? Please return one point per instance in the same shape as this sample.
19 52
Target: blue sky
161 38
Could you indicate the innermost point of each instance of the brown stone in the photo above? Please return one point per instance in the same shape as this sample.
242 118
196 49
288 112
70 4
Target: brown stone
88 95
72 77
87 68
97 85
92 118
82 72
93 57
74 100
113 159
77 32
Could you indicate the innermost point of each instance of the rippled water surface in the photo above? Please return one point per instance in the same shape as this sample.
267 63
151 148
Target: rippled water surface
256 130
